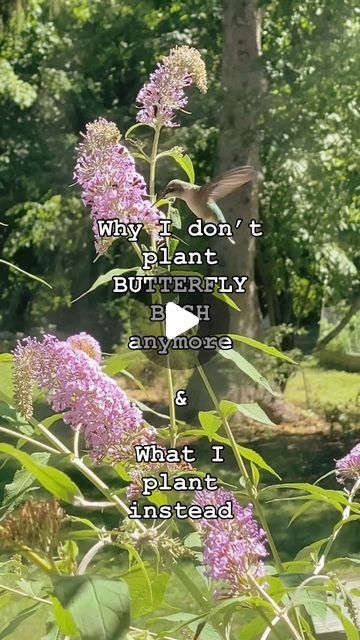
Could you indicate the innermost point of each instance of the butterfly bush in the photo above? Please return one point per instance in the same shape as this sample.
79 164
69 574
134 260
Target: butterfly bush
233 548
70 374
164 94
348 468
110 183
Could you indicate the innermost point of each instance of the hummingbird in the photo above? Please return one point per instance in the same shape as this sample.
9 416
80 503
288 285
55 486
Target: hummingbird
202 201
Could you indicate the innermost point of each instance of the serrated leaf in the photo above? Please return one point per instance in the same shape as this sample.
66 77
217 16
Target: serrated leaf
246 367
99 606
104 279
52 479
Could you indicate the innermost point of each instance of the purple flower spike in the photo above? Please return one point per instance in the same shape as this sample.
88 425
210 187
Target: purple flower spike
348 468
75 384
111 186
233 549
164 94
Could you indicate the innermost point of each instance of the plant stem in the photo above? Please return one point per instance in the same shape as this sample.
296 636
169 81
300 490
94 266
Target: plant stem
281 614
90 555
152 175
336 532
169 380
25 595
76 442
173 425
17 435
137 250
196 594
269 623
104 489
238 457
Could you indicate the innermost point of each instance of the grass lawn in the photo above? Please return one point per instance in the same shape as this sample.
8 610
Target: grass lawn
313 387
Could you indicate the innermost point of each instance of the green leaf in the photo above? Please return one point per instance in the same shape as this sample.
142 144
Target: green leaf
19 618
104 279
141 603
99 606
21 483
48 422
52 479
25 273
185 162
158 498
174 215
299 511
6 357
115 364
121 471
136 126
5 599
221 296
63 618
251 410
246 367
330 496
225 298
246 453
351 631
210 422
256 344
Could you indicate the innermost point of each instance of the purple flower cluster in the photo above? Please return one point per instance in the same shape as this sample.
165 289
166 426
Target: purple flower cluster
74 383
164 94
233 549
348 468
111 186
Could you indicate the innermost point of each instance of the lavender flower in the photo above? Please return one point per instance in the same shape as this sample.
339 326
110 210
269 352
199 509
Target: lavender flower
111 186
75 384
164 94
348 468
233 549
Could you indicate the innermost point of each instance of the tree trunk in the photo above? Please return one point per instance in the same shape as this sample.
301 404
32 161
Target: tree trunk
242 87
354 308
238 145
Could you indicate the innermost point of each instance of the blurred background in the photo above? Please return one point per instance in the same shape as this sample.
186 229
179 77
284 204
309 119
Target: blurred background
283 95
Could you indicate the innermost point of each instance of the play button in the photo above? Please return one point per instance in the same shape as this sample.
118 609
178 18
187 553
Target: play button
164 336
178 320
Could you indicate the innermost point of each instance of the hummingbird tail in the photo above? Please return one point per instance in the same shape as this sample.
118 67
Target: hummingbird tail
231 240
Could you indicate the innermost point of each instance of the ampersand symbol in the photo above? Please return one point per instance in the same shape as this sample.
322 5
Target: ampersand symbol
181 398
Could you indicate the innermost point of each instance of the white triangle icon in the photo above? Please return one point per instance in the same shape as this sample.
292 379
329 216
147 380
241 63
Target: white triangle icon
178 320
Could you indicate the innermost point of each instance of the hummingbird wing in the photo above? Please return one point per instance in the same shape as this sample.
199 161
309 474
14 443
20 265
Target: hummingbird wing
227 183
